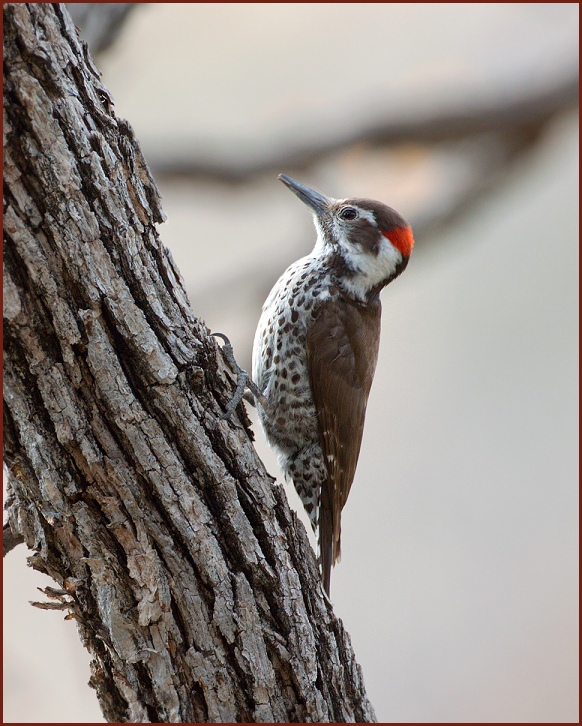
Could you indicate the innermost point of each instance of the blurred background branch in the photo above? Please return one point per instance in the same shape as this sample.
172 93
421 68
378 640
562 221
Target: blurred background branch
483 136
516 122
100 24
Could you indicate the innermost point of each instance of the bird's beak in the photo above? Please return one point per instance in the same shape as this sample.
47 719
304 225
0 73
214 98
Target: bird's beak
313 199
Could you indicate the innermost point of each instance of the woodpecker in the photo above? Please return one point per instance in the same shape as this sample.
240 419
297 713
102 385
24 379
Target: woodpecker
315 352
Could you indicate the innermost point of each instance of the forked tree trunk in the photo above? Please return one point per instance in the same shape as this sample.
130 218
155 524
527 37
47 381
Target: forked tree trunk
194 586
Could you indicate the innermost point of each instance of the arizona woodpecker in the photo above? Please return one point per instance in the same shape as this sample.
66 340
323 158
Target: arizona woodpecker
315 352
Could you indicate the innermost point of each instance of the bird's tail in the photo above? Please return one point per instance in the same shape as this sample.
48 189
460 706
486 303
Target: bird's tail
329 540
326 548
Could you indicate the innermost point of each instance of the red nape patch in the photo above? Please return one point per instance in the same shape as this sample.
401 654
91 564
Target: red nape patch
402 239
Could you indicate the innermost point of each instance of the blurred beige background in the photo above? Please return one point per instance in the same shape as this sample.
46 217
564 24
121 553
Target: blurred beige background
459 576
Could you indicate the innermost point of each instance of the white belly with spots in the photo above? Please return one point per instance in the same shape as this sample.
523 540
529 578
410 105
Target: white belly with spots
288 417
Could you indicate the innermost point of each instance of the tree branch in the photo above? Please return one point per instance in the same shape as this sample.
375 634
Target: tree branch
515 117
100 23
193 584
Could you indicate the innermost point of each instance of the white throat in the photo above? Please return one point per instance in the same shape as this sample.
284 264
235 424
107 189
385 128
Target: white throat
369 270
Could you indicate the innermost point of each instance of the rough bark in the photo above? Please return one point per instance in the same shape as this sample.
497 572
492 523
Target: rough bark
193 585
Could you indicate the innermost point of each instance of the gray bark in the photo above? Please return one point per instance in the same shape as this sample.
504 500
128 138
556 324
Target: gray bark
193 585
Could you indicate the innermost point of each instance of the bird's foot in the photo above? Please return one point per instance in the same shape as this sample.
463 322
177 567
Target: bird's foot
243 381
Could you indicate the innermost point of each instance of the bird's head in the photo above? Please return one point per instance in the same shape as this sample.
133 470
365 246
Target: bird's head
367 243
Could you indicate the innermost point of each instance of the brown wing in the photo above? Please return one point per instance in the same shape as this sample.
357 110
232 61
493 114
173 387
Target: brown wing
342 350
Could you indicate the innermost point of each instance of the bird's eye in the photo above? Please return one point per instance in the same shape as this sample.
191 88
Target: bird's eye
348 213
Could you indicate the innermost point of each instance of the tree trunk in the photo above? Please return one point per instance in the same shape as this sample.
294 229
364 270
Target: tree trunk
193 585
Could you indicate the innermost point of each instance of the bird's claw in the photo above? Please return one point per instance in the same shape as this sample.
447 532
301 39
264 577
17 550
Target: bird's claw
243 381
